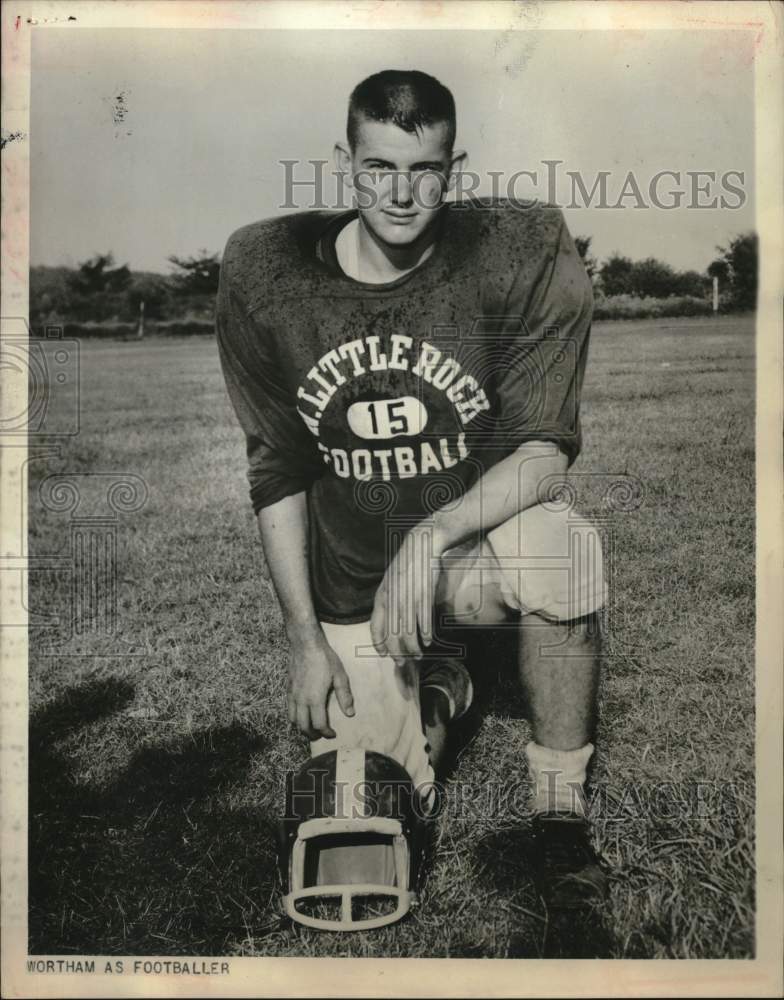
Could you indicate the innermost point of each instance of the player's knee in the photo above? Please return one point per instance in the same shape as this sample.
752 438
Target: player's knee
482 604
553 563
580 589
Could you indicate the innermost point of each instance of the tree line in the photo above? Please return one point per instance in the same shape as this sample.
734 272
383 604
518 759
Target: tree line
100 291
735 266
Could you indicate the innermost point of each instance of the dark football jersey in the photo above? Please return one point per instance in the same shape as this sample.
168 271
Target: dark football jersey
385 402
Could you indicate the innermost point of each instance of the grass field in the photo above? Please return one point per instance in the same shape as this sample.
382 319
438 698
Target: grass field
158 754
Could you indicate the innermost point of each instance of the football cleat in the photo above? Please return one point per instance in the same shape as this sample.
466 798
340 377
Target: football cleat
452 679
352 841
568 872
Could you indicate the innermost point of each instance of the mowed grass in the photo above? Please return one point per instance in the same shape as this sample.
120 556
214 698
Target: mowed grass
158 754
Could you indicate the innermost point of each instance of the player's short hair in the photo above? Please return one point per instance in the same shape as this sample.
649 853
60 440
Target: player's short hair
408 98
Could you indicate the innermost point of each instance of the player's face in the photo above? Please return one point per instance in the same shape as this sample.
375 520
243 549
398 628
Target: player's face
400 179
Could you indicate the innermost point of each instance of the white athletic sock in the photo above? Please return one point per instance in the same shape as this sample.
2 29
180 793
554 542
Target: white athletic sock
559 778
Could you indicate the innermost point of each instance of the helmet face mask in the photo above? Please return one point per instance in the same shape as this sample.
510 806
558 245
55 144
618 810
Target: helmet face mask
368 844
352 843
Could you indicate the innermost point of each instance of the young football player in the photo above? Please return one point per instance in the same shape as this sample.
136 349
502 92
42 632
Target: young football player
407 374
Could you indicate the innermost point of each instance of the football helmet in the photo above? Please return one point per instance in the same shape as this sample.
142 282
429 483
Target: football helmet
352 841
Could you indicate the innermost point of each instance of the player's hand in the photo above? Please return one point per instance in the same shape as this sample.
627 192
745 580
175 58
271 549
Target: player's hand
315 670
402 620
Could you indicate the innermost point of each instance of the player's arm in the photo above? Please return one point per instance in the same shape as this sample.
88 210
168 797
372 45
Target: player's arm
283 463
314 667
405 597
507 489
551 358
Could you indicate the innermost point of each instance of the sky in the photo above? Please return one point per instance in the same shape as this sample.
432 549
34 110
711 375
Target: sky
148 142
